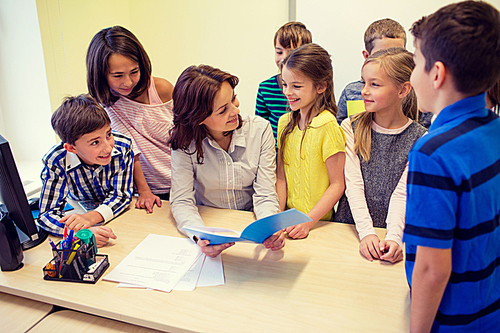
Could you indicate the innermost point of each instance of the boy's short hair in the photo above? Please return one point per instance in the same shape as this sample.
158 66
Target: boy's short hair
465 37
77 116
379 29
293 35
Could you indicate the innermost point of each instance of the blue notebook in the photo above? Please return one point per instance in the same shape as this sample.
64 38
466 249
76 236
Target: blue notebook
256 232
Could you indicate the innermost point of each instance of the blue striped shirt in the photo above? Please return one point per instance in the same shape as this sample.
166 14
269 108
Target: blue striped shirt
453 202
271 104
64 175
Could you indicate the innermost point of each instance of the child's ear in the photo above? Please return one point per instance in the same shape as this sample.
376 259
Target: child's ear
71 148
365 54
439 74
321 87
404 90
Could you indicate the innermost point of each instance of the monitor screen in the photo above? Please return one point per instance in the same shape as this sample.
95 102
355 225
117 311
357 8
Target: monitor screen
12 195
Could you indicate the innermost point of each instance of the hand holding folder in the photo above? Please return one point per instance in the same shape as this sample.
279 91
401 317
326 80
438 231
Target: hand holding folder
256 232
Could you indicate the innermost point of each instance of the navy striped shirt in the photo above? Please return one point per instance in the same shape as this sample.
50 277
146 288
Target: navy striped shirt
453 202
271 104
64 175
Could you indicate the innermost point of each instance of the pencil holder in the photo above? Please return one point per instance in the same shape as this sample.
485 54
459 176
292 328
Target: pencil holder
77 262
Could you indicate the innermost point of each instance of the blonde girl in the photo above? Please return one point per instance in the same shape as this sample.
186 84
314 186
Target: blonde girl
310 175
378 142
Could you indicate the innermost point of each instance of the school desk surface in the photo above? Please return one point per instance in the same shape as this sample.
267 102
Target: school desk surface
319 284
19 314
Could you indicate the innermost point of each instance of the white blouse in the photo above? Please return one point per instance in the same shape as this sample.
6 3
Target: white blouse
242 178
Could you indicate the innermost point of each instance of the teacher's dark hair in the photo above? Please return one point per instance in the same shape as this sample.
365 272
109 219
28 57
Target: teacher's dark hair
106 42
193 99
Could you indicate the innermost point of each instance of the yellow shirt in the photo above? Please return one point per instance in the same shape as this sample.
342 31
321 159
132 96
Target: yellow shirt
305 168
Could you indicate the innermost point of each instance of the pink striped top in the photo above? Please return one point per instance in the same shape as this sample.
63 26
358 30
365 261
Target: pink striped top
148 126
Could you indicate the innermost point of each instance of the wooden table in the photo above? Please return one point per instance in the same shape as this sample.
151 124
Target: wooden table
77 322
317 284
19 314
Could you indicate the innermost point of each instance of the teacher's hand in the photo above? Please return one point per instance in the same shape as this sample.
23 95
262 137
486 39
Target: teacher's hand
212 250
276 241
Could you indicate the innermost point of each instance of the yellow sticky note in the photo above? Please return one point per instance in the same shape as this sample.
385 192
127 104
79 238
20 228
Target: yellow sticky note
354 107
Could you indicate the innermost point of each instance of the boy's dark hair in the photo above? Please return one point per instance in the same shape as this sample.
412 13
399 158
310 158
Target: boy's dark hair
379 29
465 37
106 42
292 35
77 116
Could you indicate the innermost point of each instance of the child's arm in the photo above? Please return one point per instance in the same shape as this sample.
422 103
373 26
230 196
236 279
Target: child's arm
164 89
102 235
392 246
53 196
146 199
430 276
335 168
355 191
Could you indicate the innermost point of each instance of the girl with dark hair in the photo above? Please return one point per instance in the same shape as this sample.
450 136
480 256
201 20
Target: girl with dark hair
378 143
311 143
139 105
220 158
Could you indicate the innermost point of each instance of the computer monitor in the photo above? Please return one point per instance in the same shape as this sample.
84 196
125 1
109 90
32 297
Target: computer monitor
12 195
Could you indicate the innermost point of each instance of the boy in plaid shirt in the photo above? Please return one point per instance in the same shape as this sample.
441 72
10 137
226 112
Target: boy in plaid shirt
91 163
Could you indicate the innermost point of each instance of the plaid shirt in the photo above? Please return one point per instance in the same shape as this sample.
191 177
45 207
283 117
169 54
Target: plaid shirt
65 175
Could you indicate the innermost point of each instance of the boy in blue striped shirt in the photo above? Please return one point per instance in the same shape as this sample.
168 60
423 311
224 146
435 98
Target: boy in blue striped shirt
452 231
271 104
91 163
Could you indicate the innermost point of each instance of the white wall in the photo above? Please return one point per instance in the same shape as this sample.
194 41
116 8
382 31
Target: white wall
339 27
236 36
233 35
24 97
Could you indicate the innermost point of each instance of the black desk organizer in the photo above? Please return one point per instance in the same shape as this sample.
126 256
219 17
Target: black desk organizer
72 265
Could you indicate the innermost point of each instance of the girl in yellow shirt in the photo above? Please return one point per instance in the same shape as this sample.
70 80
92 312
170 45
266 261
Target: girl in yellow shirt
310 175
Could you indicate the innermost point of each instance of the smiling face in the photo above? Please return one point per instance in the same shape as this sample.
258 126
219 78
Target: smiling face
299 90
379 92
123 74
94 147
225 112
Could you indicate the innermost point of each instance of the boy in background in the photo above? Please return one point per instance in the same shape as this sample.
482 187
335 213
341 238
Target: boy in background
379 35
452 231
91 163
271 103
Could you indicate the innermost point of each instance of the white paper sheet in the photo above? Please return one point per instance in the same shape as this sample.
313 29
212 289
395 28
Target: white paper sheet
158 262
212 273
190 279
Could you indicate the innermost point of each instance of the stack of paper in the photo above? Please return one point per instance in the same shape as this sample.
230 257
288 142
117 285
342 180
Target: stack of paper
165 263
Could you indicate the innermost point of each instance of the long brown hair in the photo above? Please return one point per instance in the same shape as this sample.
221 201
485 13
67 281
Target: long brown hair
397 63
193 99
105 43
313 62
